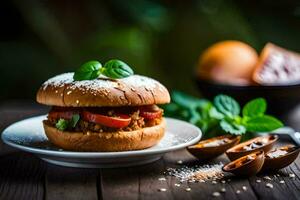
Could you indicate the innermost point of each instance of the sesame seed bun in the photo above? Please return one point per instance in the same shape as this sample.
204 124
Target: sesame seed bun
134 90
112 141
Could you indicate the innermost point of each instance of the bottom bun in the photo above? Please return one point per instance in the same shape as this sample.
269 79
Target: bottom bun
106 141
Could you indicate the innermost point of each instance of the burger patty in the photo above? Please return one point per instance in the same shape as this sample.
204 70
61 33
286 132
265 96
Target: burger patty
137 122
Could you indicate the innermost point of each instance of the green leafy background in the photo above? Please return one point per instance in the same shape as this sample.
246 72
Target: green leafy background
162 39
222 115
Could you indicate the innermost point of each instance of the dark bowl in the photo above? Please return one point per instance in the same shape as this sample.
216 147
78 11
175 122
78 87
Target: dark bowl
281 99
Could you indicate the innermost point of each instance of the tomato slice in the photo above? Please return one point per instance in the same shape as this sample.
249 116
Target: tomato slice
64 113
151 112
114 122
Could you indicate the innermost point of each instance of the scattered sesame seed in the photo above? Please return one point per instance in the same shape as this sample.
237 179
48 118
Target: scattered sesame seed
188 189
202 181
197 173
77 101
61 94
244 188
258 181
223 181
228 180
177 184
69 92
238 191
223 190
267 178
269 185
162 189
179 162
162 179
282 182
56 91
60 149
214 182
292 175
216 194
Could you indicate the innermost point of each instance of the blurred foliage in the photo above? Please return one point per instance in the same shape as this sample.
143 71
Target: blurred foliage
223 115
162 39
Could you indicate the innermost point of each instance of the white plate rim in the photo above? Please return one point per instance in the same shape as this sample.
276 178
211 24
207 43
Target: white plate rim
71 154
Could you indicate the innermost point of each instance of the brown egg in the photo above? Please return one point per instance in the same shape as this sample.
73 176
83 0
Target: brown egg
228 62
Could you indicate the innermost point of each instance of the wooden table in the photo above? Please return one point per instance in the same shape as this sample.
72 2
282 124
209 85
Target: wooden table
24 176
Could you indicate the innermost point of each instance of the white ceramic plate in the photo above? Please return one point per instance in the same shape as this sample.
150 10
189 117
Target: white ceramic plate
28 135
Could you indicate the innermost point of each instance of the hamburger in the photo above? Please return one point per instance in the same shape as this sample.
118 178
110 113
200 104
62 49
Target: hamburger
103 114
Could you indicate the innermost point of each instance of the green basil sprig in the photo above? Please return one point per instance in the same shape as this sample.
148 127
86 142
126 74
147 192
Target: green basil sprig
63 124
227 105
88 71
114 69
254 108
222 114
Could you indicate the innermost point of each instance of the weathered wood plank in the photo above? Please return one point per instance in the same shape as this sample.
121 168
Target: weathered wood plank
143 182
150 184
11 112
288 190
21 174
170 161
205 190
71 183
21 177
122 183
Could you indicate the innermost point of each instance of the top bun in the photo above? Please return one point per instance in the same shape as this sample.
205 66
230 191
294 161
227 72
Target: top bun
134 90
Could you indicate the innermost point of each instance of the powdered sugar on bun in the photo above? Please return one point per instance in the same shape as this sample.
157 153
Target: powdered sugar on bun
62 90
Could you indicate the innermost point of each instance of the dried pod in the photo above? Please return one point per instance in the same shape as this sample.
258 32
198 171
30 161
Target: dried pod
264 143
248 165
280 157
213 147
